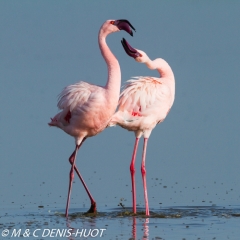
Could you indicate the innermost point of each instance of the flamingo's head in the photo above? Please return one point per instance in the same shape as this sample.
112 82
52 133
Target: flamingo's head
138 55
111 26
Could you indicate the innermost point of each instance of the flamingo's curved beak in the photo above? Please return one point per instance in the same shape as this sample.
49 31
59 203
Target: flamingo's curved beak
132 52
125 25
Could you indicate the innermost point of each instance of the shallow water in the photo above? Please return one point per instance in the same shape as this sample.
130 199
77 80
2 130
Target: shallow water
191 222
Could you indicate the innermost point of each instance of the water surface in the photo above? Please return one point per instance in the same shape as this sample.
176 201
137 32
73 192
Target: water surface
182 222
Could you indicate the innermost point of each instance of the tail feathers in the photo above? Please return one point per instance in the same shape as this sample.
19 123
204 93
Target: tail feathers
53 122
122 118
114 121
112 124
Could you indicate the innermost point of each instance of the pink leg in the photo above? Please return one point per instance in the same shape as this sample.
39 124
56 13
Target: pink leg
132 170
93 207
143 169
71 176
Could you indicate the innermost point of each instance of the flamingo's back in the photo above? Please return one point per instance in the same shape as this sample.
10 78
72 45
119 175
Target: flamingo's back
74 95
144 93
144 102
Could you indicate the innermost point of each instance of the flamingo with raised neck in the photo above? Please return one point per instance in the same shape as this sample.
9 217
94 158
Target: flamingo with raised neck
144 102
86 109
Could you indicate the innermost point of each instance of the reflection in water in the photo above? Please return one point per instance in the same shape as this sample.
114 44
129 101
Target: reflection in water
88 229
145 229
134 234
68 222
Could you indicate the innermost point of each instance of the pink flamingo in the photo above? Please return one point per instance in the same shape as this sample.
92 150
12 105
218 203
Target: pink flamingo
86 108
144 102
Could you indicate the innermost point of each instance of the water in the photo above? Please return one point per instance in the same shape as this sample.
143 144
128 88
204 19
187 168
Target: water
191 222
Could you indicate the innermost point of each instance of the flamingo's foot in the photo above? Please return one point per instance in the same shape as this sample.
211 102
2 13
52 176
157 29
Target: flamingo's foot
93 208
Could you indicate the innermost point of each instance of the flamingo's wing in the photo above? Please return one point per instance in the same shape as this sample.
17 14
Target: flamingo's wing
74 95
142 94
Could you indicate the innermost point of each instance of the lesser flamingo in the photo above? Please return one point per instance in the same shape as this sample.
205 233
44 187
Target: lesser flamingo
144 102
86 108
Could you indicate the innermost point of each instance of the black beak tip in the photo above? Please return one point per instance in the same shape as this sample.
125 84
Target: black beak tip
123 40
124 24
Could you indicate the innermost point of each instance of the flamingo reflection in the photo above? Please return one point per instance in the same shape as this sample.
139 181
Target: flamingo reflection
145 229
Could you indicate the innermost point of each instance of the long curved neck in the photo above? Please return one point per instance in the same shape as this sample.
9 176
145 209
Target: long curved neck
162 67
114 74
165 72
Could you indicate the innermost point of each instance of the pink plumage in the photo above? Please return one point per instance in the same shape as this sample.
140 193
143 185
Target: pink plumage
86 109
144 102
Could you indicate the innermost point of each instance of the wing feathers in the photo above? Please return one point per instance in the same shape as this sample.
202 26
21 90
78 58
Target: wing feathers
74 95
141 93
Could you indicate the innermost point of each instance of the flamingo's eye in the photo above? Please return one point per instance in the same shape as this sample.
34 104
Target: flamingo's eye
140 55
112 22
